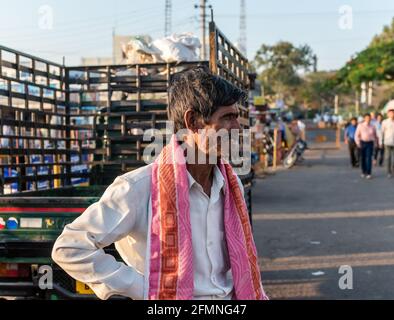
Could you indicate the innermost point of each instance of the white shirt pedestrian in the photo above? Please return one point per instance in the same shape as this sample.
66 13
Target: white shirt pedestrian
387 132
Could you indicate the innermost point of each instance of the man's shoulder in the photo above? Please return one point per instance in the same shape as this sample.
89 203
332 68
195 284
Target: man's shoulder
138 176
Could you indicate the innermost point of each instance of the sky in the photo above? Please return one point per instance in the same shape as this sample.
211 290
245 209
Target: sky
52 29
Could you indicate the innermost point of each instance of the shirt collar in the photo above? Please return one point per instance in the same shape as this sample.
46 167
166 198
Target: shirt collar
218 179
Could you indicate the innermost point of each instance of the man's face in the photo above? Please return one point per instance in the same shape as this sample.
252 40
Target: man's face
367 119
353 122
217 130
225 118
391 114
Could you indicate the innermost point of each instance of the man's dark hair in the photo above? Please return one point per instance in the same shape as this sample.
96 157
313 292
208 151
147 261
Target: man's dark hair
199 90
353 119
367 115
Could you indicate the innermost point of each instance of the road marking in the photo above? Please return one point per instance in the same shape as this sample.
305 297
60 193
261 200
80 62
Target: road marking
290 289
324 215
327 262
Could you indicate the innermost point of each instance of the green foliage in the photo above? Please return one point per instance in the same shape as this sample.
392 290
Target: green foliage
317 88
280 65
279 69
386 36
374 63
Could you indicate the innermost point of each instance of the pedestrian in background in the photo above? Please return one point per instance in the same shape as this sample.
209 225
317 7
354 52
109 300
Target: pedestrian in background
302 127
366 138
334 120
373 118
379 149
354 151
388 141
327 119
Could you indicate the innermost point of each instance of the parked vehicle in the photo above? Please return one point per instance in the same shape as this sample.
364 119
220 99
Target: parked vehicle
268 148
295 153
33 222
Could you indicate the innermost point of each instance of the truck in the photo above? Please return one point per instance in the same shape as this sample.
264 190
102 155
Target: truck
65 134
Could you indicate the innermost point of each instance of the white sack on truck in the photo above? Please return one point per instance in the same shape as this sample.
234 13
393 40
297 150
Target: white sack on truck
138 51
178 47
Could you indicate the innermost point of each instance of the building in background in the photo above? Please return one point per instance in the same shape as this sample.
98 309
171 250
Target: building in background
117 53
96 61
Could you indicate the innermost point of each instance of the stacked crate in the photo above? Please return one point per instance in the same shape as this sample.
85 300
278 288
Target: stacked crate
39 146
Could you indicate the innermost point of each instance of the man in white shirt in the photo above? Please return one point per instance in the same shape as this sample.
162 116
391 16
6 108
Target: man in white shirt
387 135
197 100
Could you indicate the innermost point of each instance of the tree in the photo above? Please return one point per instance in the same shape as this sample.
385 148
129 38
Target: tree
375 63
372 64
280 65
317 90
386 36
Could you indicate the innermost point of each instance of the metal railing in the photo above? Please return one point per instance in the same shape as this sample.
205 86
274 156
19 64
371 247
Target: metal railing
39 146
228 62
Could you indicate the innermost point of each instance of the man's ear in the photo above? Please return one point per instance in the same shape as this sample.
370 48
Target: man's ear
192 122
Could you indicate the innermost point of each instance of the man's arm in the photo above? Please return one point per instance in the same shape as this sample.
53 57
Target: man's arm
346 135
79 249
383 133
357 136
375 132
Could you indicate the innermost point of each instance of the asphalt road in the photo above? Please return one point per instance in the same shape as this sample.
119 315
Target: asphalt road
311 220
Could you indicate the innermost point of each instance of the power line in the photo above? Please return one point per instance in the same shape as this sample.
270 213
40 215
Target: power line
101 24
92 43
274 15
94 27
83 21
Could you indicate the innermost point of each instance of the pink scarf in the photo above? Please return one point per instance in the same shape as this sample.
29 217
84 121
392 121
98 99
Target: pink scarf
171 252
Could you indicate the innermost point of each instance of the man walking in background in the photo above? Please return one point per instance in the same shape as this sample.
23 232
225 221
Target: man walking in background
373 118
379 149
350 133
388 140
366 138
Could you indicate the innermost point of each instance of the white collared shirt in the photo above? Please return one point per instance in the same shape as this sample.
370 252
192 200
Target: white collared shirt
387 133
122 216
